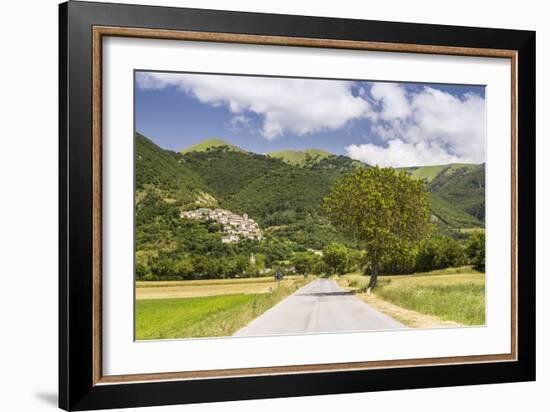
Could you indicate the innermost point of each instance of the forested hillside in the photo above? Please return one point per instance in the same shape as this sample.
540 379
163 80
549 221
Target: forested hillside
163 171
463 187
458 192
281 197
283 193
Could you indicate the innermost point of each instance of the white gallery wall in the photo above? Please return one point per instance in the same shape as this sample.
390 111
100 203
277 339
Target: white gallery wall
28 203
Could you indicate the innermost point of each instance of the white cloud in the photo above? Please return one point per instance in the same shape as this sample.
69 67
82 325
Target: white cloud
239 123
407 128
401 154
393 100
424 128
286 105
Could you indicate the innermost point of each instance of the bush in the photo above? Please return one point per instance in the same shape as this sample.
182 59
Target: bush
439 253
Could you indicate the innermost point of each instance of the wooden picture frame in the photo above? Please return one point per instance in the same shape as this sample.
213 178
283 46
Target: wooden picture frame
83 26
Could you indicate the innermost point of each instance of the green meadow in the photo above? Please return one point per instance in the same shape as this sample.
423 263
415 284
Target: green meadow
455 294
205 316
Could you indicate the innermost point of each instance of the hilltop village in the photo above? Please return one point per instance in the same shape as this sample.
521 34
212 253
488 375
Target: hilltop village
235 227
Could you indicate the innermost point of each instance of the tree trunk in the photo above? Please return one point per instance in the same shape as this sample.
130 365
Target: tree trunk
373 277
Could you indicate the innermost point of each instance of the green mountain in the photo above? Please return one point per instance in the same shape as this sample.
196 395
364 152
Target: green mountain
452 216
431 172
211 144
458 192
281 197
163 172
164 185
315 158
463 186
283 192
424 172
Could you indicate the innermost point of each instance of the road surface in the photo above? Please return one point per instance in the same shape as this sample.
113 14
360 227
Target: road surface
320 306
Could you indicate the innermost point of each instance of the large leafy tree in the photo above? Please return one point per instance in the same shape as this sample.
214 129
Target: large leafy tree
385 210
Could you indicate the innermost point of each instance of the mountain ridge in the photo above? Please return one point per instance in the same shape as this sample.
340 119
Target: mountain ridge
300 157
273 188
430 172
209 144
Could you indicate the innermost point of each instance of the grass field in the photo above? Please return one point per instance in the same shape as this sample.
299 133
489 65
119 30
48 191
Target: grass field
456 294
206 316
211 287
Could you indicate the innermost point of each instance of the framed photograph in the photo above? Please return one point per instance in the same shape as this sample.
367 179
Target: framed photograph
256 205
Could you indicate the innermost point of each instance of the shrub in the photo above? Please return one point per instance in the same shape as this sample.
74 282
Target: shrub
439 253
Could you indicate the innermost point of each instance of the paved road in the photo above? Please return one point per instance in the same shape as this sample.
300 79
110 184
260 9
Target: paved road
320 306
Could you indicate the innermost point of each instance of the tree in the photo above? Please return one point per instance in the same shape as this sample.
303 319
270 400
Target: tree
305 262
259 262
336 258
476 250
183 268
242 265
142 263
385 210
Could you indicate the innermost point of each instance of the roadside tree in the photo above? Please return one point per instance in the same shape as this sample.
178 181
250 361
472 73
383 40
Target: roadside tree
384 210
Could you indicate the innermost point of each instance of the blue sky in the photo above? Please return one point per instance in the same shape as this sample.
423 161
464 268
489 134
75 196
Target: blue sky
391 124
